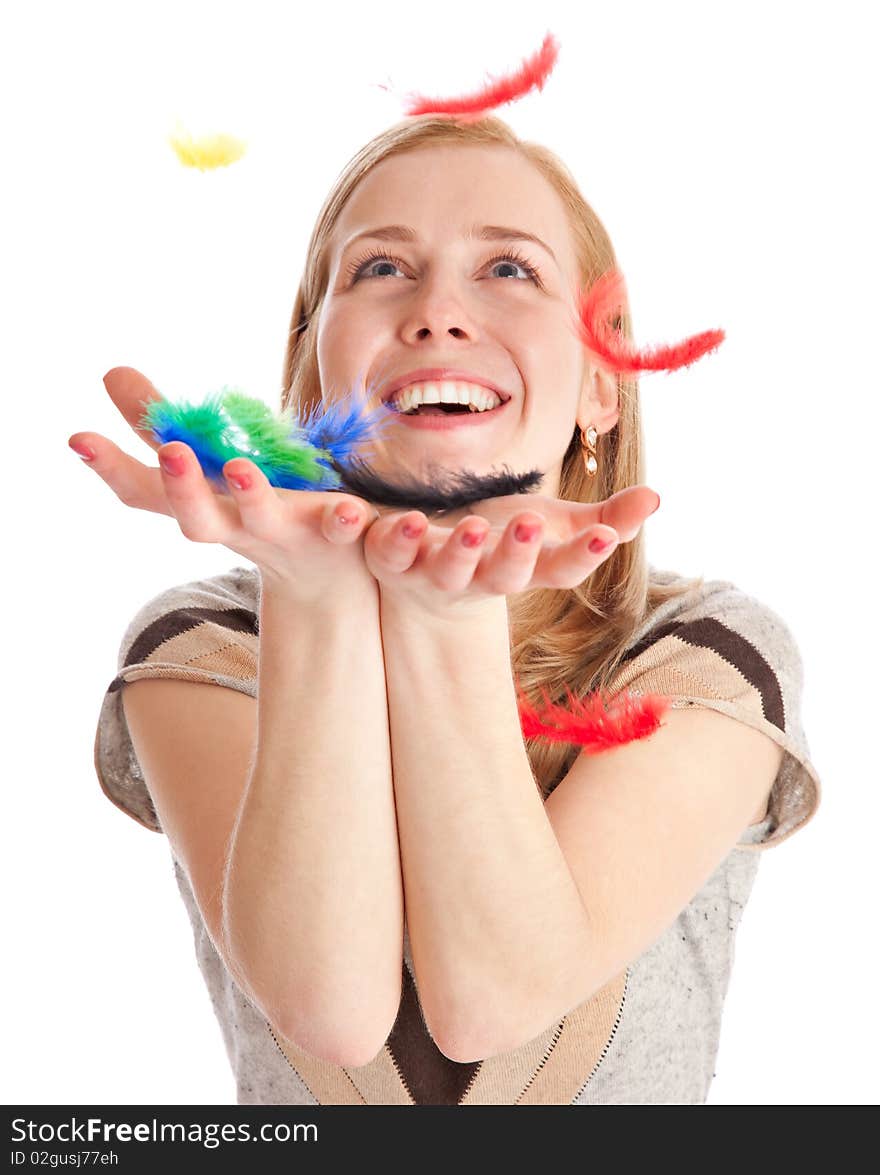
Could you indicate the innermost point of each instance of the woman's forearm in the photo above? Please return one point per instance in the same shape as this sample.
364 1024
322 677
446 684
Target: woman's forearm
313 901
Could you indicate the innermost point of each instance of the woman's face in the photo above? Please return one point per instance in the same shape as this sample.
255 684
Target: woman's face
449 298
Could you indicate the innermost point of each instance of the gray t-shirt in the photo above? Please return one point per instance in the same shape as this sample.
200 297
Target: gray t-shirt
650 1036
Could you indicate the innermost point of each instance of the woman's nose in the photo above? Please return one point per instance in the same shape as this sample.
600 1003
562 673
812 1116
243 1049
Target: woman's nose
439 310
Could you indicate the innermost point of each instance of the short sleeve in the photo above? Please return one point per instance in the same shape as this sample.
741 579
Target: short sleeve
206 631
729 652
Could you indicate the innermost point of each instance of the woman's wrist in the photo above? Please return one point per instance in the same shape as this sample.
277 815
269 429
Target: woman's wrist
352 594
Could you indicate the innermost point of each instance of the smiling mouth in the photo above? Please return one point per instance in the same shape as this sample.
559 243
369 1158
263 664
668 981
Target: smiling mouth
433 417
446 410
442 406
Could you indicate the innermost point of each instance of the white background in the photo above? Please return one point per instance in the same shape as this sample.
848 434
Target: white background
729 152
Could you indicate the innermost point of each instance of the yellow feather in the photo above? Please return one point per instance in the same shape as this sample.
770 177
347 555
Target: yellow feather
206 151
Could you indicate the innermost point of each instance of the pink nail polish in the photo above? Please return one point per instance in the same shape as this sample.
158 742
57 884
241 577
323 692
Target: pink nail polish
597 545
472 538
525 532
83 451
412 532
172 463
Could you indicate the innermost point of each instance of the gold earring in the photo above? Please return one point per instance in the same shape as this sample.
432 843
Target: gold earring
588 447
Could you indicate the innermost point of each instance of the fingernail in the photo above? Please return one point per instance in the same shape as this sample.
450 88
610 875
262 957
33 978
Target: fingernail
597 545
83 451
241 481
473 538
657 507
346 519
411 531
172 463
525 532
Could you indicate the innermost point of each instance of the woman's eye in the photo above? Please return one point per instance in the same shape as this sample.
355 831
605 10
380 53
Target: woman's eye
520 262
358 269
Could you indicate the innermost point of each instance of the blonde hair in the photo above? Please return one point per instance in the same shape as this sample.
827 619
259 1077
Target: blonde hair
572 638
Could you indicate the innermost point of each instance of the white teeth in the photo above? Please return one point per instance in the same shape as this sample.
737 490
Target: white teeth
478 398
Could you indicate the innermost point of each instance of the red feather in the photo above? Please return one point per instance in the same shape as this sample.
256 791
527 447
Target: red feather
602 301
532 74
596 722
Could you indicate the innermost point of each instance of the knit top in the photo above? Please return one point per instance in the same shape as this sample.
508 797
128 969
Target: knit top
651 1034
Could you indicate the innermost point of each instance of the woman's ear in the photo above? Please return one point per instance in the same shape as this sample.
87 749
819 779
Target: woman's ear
600 399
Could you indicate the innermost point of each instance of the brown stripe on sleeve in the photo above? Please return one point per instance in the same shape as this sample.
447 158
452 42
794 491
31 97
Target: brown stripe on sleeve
181 620
199 638
711 636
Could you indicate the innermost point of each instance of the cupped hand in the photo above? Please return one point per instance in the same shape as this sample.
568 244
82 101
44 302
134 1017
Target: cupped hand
445 570
305 542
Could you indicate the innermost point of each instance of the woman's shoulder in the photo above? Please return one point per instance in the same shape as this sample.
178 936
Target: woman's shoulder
202 630
710 643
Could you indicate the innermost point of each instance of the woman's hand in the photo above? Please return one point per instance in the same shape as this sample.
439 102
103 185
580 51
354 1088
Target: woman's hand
295 537
443 571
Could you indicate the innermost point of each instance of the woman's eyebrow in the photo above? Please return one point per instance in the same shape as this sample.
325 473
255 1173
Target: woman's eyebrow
485 232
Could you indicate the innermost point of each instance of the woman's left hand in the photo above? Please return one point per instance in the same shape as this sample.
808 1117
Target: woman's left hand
437 571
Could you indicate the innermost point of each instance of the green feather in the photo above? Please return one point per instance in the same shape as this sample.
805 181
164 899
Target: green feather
274 439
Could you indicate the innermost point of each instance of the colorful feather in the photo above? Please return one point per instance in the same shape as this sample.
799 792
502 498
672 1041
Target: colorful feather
294 455
206 152
618 354
532 74
597 722
317 453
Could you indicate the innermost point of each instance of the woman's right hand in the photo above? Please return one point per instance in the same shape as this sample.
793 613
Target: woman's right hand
295 537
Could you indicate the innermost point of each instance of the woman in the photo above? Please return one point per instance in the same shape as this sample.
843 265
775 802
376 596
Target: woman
396 899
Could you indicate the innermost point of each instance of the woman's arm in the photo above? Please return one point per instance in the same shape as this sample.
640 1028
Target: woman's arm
313 888
492 906
310 905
